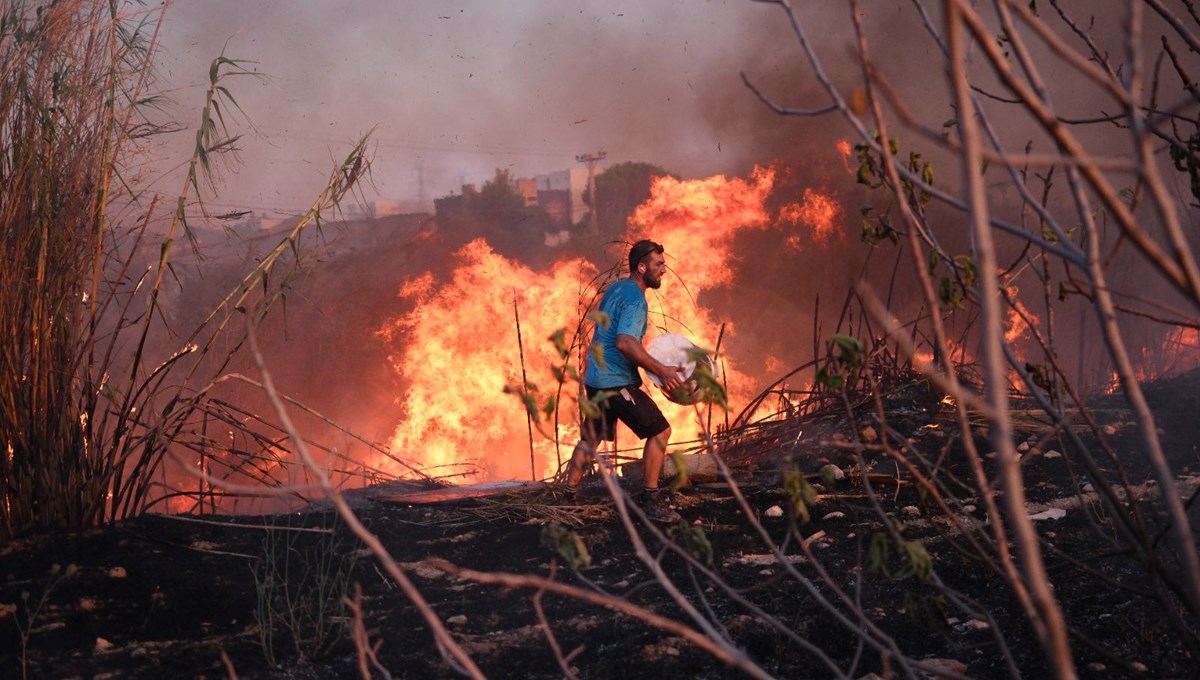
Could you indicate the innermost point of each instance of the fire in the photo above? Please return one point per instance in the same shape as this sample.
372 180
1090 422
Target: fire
1019 317
1178 351
844 150
460 350
696 221
819 212
457 349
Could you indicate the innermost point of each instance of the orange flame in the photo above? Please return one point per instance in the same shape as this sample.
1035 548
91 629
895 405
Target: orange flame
1020 319
458 348
819 212
843 147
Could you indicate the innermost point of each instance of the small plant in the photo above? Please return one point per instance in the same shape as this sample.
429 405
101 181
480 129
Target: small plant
567 544
27 612
897 558
302 587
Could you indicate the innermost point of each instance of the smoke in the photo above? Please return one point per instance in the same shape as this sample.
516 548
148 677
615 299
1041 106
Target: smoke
455 91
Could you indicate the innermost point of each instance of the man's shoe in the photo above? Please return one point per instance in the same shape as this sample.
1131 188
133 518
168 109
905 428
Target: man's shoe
561 494
657 506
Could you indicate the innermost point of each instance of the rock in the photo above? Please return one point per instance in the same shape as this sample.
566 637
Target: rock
701 469
836 514
1052 454
1138 666
423 569
1022 447
939 666
1110 430
774 512
977 624
1052 513
831 473
103 645
457 620
910 511
868 434
1097 667
117 572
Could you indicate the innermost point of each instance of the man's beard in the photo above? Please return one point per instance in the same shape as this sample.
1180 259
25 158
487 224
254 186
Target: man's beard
652 281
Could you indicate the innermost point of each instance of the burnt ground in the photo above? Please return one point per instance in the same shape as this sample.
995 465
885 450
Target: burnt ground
163 597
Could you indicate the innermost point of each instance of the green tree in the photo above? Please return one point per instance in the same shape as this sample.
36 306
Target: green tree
619 191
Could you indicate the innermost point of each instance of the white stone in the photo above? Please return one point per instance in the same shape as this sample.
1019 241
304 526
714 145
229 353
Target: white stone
1052 513
836 514
774 512
457 620
831 471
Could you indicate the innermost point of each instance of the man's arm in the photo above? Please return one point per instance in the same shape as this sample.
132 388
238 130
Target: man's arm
633 350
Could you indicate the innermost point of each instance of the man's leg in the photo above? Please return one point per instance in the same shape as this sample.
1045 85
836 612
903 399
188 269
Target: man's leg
652 457
581 457
655 502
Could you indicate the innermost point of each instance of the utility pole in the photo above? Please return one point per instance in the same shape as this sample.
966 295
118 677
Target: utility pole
591 160
420 183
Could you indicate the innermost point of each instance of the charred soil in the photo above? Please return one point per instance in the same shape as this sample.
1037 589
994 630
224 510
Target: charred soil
168 597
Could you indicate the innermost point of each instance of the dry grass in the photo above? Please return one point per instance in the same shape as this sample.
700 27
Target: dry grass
93 403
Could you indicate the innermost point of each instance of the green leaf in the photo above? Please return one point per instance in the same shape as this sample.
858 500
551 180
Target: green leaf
864 175
694 540
949 293
877 554
800 493
600 318
681 474
830 380
559 338
567 544
596 350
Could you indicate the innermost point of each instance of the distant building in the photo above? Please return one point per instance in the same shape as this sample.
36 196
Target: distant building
381 207
557 204
528 189
574 182
560 194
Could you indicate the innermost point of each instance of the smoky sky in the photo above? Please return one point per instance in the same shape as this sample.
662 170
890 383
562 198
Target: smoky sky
456 90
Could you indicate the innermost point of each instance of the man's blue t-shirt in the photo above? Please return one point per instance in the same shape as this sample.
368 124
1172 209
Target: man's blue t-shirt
625 304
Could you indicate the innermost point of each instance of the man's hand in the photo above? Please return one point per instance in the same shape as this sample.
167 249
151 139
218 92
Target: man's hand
632 348
671 378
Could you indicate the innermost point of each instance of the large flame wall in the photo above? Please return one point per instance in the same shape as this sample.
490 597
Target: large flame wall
458 349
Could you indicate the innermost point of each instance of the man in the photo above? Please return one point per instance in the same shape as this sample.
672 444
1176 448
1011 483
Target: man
620 345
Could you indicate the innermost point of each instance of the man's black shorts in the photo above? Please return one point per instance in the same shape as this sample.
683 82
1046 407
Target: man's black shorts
629 404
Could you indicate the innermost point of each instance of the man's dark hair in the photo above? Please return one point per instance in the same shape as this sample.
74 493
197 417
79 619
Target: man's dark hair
641 250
